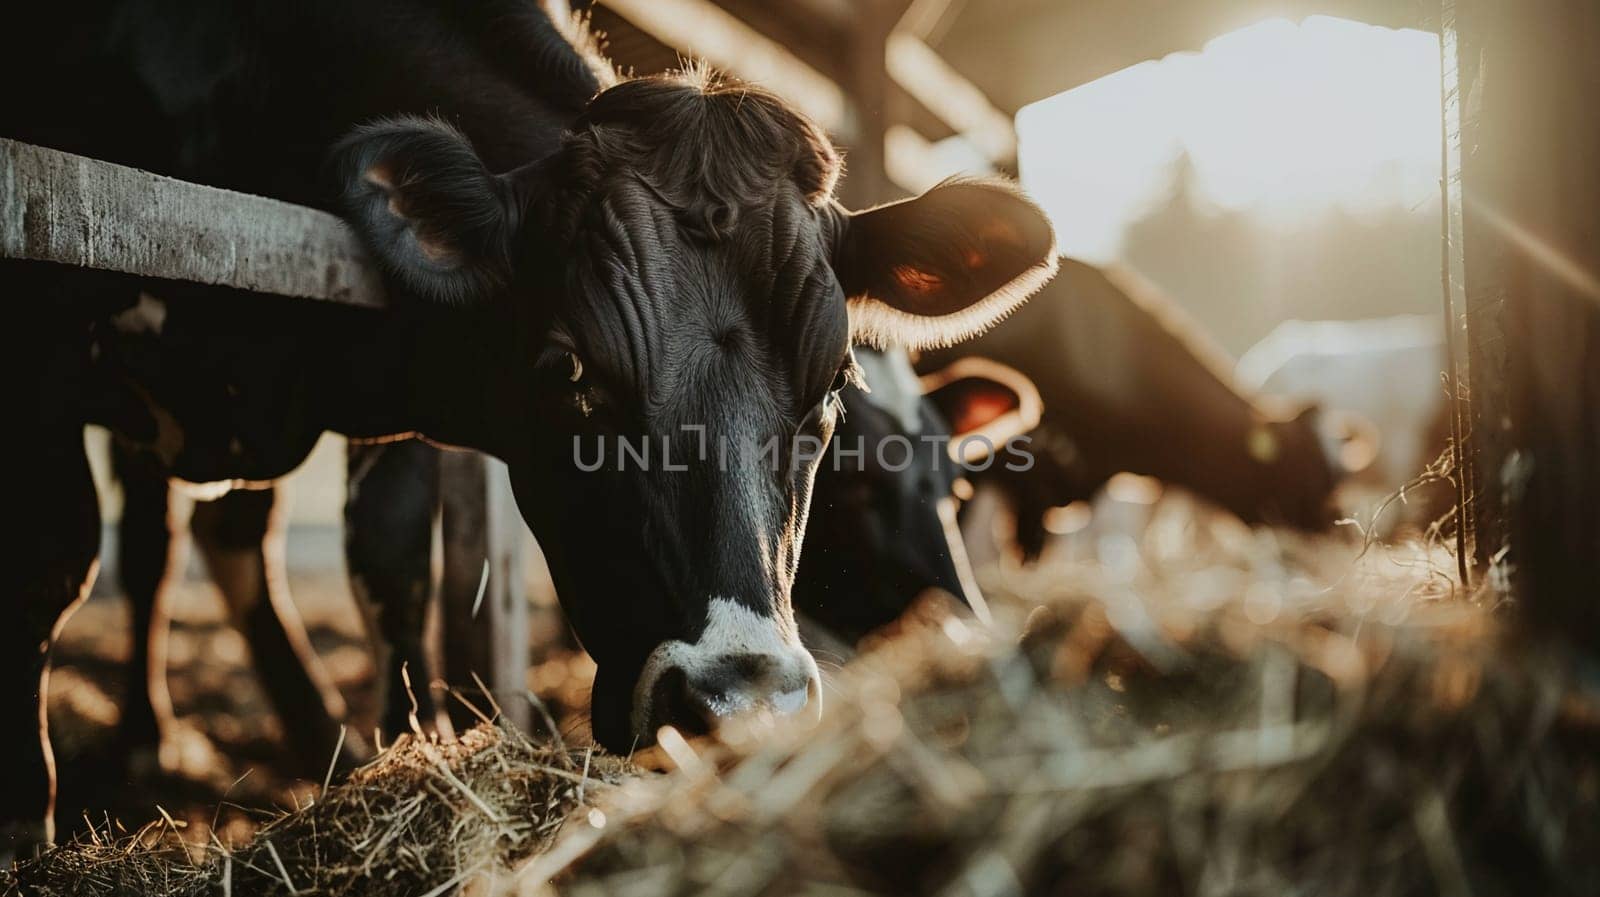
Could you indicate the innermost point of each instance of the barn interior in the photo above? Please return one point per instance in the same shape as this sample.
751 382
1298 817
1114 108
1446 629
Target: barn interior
1167 697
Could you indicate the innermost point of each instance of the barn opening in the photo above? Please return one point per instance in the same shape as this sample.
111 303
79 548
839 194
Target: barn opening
1284 170
1279 184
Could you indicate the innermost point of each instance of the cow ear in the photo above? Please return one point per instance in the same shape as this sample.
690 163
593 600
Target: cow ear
944 266
986 404
424 204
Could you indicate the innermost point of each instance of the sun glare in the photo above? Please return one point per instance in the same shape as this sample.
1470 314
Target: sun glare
1278 118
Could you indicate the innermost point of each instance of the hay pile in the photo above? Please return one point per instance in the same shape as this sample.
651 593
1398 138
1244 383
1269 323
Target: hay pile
1230 730
1135 745
423 818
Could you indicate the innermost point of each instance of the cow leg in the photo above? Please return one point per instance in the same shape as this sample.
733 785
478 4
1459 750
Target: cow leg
241 538
1030 532
145 558
57 547
393 494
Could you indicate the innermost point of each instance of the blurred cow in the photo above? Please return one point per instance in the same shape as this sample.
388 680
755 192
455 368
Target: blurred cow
1387 371
883 513
1130 385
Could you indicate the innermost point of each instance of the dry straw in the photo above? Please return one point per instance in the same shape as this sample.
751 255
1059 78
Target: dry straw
422 819
1227 731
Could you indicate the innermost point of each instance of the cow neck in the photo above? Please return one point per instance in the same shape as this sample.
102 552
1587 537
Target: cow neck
429 372
1144 363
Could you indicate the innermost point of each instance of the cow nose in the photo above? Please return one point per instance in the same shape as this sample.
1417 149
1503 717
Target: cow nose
732 686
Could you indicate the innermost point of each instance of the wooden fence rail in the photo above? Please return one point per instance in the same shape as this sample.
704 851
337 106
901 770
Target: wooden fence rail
58 207
67 209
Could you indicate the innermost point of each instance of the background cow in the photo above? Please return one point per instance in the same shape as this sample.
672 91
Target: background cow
883 522
1389 372
1128 384
653 255
240 537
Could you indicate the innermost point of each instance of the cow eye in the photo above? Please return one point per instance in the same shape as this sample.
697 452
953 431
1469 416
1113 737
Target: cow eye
568 378
586 396
848 375
568 367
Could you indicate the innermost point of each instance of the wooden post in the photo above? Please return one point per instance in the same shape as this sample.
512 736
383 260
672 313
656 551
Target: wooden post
1530 182
1483 418
1453 90
488 637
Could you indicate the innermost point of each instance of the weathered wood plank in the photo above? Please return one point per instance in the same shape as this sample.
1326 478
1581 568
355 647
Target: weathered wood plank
1455 79
59 207
1484 418
487 636
1532 217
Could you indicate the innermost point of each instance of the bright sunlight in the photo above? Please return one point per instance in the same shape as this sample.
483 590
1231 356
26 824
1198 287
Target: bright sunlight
1281 119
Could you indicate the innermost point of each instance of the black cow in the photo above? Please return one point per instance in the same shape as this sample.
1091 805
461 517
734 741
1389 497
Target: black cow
882 532
884 511
658 260
240 537
1129 385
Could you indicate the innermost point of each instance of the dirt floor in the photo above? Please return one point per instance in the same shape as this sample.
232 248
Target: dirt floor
223 766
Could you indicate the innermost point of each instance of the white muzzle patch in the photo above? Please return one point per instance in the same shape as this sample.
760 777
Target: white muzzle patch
734 631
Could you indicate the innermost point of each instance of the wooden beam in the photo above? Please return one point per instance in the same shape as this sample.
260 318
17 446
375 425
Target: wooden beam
935 84
814 34
64 208
1454 81
913 162
908 159
1022 51
702 29
836 14
868 104
1531 212
1485 424
483 593
923 17
866 181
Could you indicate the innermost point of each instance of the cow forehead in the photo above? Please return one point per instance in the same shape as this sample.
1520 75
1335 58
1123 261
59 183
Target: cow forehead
651 293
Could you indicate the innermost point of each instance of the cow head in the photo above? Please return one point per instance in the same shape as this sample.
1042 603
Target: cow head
683 290
1299 460
883 524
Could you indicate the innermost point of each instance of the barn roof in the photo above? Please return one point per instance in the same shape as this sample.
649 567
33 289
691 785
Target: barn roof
1020 51
909 73
1015 51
